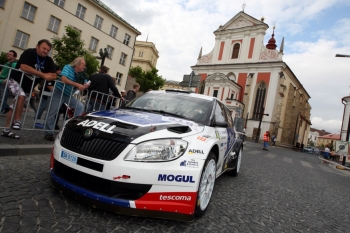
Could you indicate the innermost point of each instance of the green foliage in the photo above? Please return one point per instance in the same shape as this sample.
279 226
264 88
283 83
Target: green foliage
136 72
3 58
310 142
93 63
147 80
69 47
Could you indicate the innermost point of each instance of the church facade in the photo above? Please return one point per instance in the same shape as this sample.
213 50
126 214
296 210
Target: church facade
254 81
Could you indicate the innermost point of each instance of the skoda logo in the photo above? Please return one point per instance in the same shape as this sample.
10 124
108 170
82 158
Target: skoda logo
88 133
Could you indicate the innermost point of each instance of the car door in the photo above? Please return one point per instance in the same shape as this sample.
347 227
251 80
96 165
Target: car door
220 119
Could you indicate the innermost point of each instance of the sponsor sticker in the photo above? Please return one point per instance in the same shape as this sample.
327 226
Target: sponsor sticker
104 127
174 198
189 163
195 151
217 134
176 178
203 138
121 177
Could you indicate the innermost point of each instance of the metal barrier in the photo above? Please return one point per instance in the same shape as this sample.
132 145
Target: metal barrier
99 101
46 104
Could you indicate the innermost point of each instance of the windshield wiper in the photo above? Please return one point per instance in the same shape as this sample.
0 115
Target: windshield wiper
164 112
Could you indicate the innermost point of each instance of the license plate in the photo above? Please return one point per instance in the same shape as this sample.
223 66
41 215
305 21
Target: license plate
69 157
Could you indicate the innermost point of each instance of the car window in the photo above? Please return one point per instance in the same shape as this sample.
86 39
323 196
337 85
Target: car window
229 118
183 105
220 115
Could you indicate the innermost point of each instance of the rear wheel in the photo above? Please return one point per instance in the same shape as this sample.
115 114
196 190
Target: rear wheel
206 185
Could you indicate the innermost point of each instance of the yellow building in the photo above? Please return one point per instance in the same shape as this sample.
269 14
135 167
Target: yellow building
145 56
24 23
328 139
169 84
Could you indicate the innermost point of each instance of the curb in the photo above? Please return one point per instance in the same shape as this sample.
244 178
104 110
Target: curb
38 149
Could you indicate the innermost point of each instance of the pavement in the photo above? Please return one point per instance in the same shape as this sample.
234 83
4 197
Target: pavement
31 140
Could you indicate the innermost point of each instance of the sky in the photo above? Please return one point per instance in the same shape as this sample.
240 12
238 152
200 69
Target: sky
314 32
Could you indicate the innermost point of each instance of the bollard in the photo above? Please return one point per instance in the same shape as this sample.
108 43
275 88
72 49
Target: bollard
344 159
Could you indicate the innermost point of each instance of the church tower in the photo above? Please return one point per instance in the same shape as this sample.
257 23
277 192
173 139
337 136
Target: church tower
250 77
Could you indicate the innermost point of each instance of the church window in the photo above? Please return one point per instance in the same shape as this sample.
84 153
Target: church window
235 51
259 101
215 93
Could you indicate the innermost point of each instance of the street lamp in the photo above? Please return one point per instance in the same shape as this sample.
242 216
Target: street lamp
347 133
341 55
103 55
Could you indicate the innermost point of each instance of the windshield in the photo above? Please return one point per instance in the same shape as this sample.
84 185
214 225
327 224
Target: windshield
181 105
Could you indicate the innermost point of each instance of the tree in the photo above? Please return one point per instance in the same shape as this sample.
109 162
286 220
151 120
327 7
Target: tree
70 46
136 72
147 80
3 58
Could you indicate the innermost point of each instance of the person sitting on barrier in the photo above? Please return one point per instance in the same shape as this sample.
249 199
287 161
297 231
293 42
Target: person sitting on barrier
11 62
63 93
101 82
36 65
45 99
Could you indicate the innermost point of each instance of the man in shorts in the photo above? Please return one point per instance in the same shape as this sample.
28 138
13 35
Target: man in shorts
36 65
11 57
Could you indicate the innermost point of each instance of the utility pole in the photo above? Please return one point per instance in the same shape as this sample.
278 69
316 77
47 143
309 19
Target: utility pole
261 116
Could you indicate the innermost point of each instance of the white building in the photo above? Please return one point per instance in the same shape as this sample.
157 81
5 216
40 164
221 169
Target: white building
252 78
24 23
313 137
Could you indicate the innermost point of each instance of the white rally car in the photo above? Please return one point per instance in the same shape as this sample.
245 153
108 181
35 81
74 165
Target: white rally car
158 156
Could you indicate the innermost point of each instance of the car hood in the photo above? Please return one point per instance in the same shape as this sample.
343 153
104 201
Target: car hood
128 124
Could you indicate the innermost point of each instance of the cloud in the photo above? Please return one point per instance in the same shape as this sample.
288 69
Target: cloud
332 126
324 76
179 28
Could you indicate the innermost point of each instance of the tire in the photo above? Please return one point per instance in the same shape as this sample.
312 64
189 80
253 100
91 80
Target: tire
206 185
235 171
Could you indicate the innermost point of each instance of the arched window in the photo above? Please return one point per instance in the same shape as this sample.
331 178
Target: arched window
259 101
235 51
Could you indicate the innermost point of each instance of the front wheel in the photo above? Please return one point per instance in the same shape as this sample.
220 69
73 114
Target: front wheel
206 185
235 171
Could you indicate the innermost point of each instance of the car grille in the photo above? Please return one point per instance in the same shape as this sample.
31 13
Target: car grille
127 191
99 148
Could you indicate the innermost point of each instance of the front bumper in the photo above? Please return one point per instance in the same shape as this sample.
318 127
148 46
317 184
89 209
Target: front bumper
116 205
164 190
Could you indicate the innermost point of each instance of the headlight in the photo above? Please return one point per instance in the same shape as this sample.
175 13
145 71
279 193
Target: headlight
61 131
157 150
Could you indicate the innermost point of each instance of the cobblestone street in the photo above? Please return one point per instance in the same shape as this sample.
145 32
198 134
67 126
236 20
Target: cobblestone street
277 191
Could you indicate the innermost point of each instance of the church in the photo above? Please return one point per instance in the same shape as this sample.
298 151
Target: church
254 82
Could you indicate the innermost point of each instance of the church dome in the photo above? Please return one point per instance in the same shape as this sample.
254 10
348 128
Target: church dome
272 42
